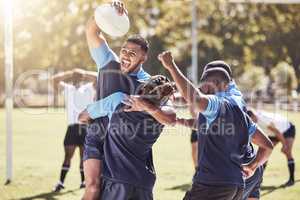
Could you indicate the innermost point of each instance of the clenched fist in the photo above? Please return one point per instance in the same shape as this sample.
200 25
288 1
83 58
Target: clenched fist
166 59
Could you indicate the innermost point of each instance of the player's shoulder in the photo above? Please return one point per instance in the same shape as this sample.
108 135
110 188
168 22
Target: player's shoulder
111 65
142 75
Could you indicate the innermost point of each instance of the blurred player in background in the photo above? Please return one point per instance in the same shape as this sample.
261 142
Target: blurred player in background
279 129
79 91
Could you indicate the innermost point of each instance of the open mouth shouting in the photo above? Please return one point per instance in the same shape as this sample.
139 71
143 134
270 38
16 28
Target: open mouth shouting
125 64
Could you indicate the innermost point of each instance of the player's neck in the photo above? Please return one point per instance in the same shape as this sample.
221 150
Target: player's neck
136 70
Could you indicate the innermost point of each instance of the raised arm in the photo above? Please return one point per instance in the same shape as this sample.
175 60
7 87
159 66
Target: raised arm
99 49
93 34
62 76
87 75
189 92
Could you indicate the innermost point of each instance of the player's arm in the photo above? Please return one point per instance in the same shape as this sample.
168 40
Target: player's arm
189 92
87 75
62 76
101 108
164 114
99 50
265 148
190 123
93 34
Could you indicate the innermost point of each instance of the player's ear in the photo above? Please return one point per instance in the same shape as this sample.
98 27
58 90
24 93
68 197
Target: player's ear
144 59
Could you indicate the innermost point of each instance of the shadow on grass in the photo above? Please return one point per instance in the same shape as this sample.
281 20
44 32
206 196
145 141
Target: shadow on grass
183 187
272 188
48 195
266 189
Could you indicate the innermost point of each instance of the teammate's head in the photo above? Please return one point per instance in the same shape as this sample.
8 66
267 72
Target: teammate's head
219 64
251 113
214 80
133 53
77 78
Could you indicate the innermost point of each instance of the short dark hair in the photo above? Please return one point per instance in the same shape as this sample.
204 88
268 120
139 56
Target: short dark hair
220 64
250 113
139 40
219 73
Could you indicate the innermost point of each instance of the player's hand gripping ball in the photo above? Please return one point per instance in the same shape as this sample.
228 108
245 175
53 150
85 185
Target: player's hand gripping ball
112 19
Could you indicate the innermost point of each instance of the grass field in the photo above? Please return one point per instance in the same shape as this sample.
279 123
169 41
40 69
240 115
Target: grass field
38 154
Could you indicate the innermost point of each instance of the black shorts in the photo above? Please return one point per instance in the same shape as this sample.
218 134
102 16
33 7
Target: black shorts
94 140
253 184
209 192
75 135
290 133
194 136
119 191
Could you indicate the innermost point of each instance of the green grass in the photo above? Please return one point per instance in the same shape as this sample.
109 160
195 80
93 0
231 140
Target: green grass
38 154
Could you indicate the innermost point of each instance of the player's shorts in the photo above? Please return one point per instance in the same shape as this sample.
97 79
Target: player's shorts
75 135
194 136
122 191
252 184
290 133
93 145
210 192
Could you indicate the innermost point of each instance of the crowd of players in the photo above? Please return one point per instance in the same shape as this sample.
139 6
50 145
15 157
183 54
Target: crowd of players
122 127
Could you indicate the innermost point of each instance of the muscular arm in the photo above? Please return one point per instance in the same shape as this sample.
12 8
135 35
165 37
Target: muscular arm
93 34
265 148
163 115
63 76
189 92
190 123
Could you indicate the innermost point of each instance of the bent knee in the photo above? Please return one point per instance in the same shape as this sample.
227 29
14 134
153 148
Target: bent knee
92 189
92 182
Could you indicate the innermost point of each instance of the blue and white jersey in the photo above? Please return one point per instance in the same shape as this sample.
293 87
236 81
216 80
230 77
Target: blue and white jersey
235 94
127 147
224 132
112 85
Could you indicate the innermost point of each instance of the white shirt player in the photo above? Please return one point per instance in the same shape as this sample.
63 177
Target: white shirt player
265 119
77 99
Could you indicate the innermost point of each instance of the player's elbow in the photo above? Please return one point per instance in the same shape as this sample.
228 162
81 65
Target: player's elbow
269 145
170 120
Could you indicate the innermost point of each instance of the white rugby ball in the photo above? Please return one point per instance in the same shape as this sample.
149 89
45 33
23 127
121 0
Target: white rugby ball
110 22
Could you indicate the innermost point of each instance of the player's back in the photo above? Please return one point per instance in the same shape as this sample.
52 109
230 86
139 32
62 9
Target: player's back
222 145
128 148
